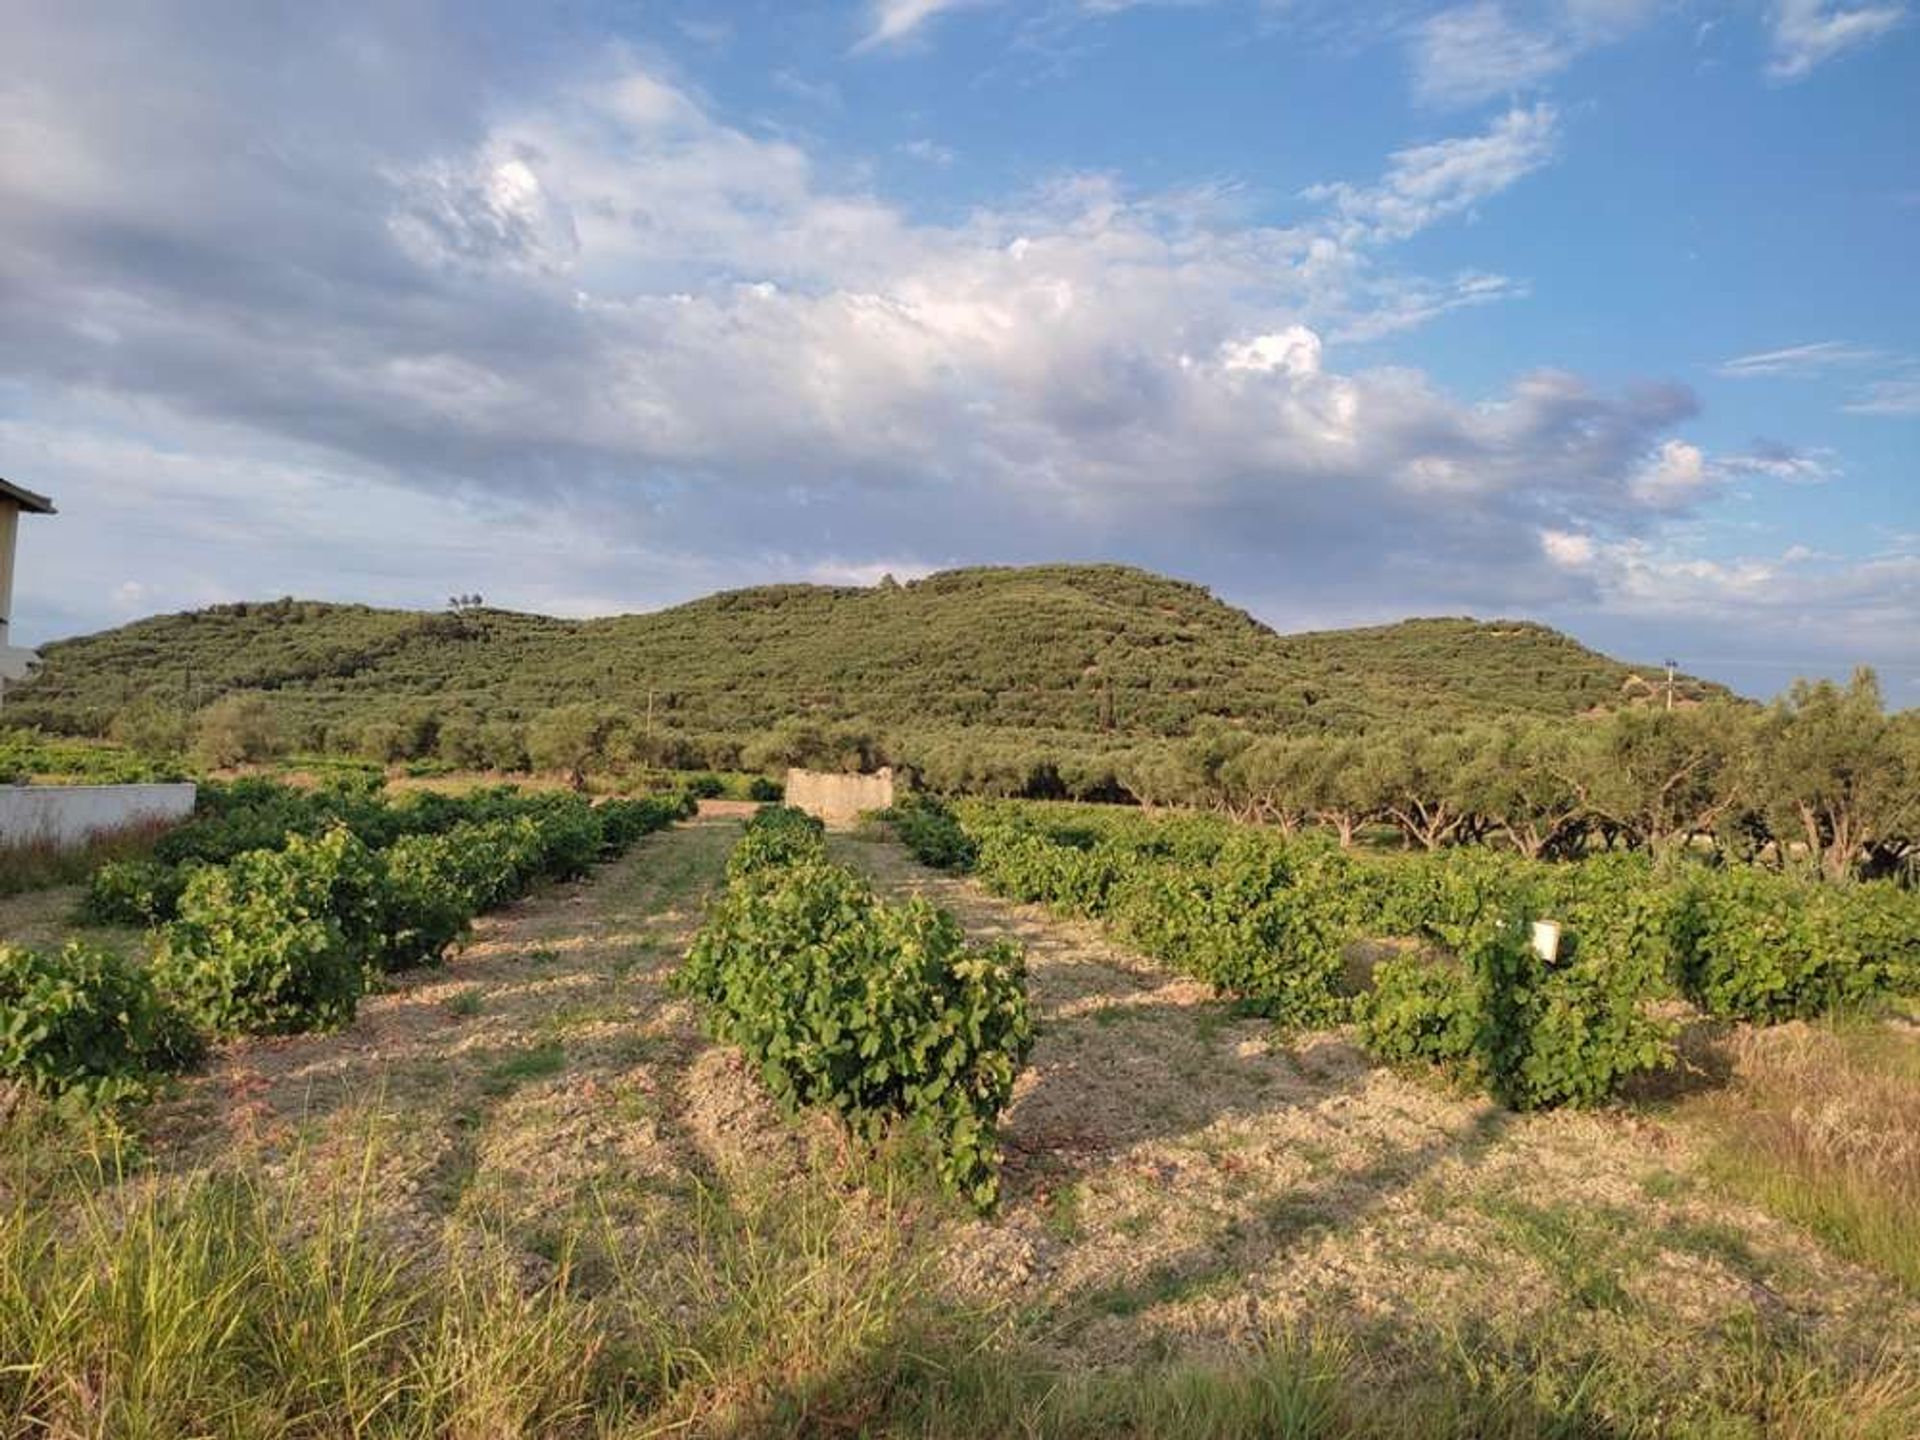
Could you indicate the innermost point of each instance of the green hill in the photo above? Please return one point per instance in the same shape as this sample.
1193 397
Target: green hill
1073 649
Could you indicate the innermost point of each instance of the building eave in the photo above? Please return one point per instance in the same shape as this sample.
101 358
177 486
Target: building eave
26 499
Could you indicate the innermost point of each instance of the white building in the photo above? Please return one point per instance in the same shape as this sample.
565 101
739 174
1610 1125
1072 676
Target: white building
14 502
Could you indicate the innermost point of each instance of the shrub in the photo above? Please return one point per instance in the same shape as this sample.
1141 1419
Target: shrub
1535 1034
928 828
491 862
239 728
571 836
765 790
777 836
133 892
87 1020
1424 1008
622 822
422 905
873 1011
1754 945
274 943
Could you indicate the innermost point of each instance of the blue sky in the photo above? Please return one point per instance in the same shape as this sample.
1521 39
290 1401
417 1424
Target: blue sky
1595 311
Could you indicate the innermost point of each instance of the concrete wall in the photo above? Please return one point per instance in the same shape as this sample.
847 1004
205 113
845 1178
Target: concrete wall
67 814
839 798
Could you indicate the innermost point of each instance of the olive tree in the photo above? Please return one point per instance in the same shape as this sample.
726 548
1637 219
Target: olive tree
1661 777
1832 771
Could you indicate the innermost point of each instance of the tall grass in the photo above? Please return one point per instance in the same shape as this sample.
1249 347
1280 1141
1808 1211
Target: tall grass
1823 1128
162 1309
288 1304
41 864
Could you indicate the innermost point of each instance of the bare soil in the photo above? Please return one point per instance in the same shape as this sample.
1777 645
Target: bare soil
1181 1179
543 1082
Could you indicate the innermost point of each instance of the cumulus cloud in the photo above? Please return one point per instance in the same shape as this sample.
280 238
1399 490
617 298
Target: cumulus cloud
1808 33
376 336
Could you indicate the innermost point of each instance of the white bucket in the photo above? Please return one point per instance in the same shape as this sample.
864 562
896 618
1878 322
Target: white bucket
1546 940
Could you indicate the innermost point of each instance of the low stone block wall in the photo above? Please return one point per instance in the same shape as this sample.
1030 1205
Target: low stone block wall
836 798
68 815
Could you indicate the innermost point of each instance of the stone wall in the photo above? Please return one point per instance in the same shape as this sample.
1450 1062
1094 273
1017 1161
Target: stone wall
838 799
66 815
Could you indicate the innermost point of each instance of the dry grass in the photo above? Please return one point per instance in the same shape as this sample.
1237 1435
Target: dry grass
527 1196
42 865
1821 1126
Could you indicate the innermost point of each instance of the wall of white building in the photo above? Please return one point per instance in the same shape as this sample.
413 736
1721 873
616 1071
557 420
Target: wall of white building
67 815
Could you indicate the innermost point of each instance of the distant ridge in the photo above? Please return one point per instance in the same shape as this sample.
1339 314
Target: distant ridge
1088 649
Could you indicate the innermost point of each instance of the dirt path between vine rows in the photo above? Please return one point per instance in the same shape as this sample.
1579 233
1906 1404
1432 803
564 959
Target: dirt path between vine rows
1179 1179
544 1082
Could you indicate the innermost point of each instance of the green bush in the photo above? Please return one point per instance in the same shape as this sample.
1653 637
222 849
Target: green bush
777 836
571 836
876 1012
930 830
766 791
1759 946
1266 919
1424 1008
422 905
274 942
622 822
86 1020
133 892
1536 1035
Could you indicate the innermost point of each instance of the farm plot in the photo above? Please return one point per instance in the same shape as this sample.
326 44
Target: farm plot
584 1217
1183 1181
542 1077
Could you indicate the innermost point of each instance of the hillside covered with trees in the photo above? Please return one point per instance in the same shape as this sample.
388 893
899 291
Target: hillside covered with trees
1061 651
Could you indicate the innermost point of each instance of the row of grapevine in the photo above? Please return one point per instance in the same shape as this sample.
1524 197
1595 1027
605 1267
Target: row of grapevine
877 1012
252 815
1270 920
287 938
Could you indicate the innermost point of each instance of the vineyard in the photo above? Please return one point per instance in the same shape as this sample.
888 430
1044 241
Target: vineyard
1272 921
463 1112
274 910
869 1010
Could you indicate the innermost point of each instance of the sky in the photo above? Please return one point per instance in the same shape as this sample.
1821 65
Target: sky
1597 312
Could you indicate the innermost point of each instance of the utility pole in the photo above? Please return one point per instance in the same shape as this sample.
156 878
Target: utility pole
1672 665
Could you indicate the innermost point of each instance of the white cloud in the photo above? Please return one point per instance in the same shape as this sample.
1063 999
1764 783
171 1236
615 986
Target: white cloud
606 349
892 21
1293 351
1428 183
1806 359
1808 33
1564 548
1897 396
1773 460
928 152
1896 393
1482 51
1676 476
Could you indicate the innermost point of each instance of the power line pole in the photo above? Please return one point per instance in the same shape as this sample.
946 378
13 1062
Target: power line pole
1671 666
